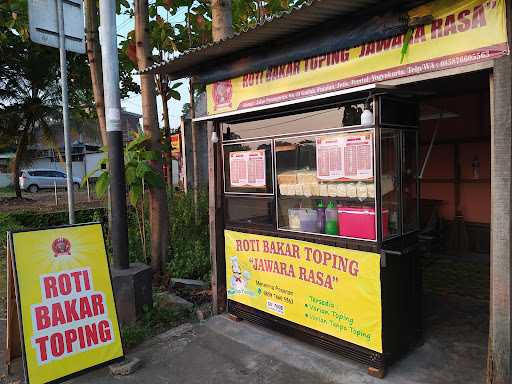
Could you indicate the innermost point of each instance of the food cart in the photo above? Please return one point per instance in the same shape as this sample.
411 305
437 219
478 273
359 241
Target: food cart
321 221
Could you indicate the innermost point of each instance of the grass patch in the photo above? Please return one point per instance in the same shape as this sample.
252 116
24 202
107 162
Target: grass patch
7 192
153 322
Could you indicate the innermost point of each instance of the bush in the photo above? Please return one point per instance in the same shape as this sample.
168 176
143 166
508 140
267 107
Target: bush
30 220
190 245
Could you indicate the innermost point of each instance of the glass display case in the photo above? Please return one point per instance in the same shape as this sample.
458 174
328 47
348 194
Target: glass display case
324 181
348 172
339 179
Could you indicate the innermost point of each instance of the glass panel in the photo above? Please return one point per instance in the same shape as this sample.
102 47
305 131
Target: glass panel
249 210
326 184
248 167
345 115
410 181
390 182
398 112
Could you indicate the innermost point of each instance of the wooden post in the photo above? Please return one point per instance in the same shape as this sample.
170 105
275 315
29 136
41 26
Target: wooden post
216 213
13 341
499 365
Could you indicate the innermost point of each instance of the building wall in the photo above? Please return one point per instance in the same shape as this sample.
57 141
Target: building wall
202 154
472 124
5 180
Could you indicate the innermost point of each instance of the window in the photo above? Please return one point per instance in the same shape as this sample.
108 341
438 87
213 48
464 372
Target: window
410 191
343 115
57 174
390 182
254 211
326 184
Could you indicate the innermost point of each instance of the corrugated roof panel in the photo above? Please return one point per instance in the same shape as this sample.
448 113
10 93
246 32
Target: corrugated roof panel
286 23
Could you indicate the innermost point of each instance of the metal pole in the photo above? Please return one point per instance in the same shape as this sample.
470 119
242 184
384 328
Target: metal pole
108 40
65 112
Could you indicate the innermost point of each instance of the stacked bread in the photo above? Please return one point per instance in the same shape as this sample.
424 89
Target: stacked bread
305 183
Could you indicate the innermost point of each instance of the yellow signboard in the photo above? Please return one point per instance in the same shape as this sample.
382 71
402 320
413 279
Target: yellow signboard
176 144
68 314
332 290
462 32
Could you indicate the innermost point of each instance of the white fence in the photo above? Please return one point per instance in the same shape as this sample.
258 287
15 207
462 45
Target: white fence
5 180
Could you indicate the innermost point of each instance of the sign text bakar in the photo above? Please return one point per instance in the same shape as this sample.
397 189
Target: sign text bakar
66 303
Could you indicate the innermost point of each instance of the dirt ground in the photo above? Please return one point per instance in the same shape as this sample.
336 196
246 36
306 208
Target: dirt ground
44 201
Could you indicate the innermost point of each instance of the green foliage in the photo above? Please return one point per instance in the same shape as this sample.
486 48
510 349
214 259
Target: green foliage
138 170
153 322
29 220
7 223
139 174
190 247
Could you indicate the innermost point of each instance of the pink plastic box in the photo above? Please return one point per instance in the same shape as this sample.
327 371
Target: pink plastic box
359 223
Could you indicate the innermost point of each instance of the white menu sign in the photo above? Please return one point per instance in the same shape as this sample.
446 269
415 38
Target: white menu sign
247 169
345 157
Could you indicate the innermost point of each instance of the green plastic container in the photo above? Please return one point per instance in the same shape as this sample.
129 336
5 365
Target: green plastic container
331 219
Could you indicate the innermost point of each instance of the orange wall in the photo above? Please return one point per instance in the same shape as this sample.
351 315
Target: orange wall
473 123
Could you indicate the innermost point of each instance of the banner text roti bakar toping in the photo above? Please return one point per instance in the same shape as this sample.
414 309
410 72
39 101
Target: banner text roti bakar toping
332 290
462 32
315 256
72 317
452 24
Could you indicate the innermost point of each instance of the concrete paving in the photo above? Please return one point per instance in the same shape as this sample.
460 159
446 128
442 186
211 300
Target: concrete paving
222 351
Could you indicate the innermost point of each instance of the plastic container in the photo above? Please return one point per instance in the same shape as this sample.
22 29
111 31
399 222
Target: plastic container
331 219
294 218
320 217
308 220
359 223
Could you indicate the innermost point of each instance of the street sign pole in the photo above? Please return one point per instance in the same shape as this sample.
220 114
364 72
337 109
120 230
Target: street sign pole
65 111
108 40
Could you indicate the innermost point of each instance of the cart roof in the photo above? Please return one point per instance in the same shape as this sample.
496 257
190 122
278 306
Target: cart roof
285 24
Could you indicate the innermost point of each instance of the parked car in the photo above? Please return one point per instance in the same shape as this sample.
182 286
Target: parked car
32 180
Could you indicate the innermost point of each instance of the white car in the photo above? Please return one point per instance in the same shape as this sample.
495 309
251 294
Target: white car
32 180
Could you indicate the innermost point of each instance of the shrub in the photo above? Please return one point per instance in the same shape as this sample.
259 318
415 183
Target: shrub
190 246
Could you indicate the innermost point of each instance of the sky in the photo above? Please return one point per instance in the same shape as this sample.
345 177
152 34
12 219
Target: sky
125 24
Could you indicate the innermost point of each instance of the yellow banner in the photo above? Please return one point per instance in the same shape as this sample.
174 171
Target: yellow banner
332 290
176 144
463 32
67 306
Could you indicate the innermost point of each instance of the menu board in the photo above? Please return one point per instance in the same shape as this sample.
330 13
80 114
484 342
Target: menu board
329 158
247 169
345 157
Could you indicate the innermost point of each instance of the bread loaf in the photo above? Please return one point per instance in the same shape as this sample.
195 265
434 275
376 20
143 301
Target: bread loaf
332 190
361 190
371 190
306 177
289 177
351 190
341 190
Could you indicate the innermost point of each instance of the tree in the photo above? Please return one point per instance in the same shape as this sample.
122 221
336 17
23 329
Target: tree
158 214
222 19
163 40
138 174
30 96
95 65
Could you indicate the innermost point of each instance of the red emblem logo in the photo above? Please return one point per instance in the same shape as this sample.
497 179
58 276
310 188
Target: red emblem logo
222 94
61 247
